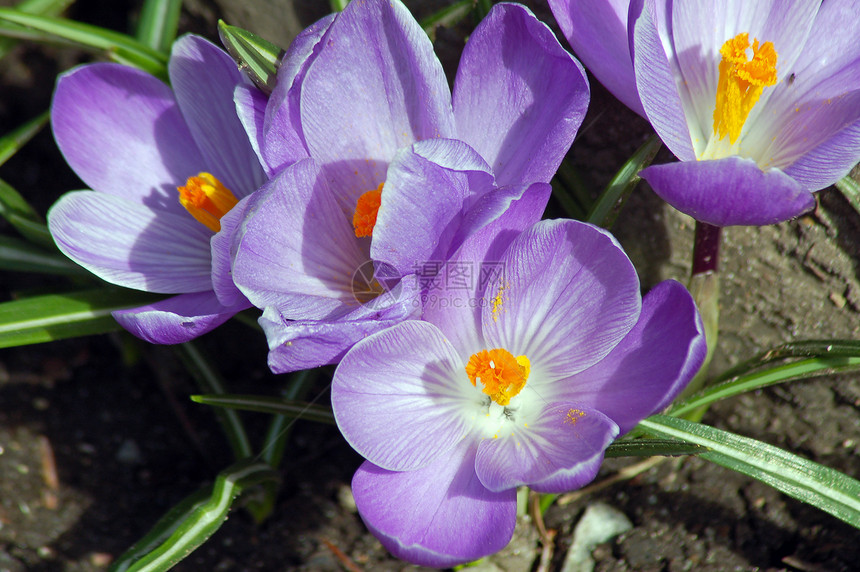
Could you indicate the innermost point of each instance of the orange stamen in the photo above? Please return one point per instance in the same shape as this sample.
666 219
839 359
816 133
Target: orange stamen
207 199
502 375
366 210
741 83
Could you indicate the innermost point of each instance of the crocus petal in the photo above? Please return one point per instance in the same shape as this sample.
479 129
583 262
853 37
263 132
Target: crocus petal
455 306
303 344
443 516
648 369
374 88
224 245
284 142
828 162
177 319
297 251
656 81
516 89
597 32
397 396
730 191
422 200
204 78
131 245
251 110
568 295
562 450
111 110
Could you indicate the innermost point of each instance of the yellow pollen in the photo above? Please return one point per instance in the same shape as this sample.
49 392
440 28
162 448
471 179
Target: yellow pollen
207 199
573 415
502 375
497 303
741 83
366 210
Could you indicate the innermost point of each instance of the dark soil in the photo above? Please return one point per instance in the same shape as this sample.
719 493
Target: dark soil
110 416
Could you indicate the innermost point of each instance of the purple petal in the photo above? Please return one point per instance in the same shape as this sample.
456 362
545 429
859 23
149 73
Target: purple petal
297 251
284 142
652 365
438 516
569 295
303 344
375 87
401 397
251 110
561 450
455 307
177 319
656 82
730 191
519 98
204 78
131 245
422 200
830 161
597 32
114 111
223 247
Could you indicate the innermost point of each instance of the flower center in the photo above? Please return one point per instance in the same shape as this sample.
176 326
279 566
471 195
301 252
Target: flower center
207 199
366 210
742 80
502 375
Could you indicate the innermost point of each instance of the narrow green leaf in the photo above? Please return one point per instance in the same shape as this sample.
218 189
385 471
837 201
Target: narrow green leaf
193 521
790 372
850 189
159 20
653 447
12 203
14 140
798 349
570 191
209 380
21 256
827 489
265 404
57 316
40 7
113 43
338 5
482 8
605 210
259 58
449 16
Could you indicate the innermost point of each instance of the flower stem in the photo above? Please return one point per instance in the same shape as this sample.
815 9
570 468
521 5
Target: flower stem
705 288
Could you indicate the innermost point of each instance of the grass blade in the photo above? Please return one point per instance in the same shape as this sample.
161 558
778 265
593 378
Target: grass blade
159 20
193 521
57 316
116 45
40 7
449 16
850 189
805 480
265 404
653 447
20 256
14 140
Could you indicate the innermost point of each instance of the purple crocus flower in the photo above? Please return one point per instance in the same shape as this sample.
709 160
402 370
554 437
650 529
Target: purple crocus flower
402 170
524 380
761 104
164 165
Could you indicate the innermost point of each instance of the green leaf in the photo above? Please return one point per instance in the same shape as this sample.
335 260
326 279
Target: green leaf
209 380
23 217
449 16
57 316
117 46
14 140
851 190
338 5
842 356
265 404
194 520
652 447
40 7
260 59
159 20
21 256
827 489
605 210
